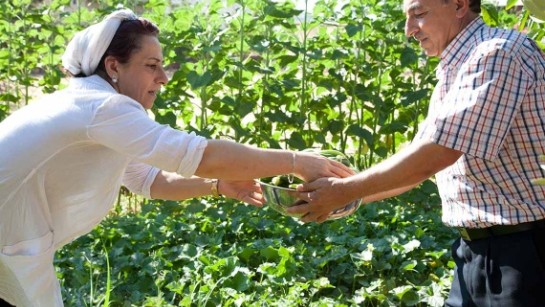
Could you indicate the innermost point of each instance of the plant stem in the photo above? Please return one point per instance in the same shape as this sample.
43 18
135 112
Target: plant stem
304 72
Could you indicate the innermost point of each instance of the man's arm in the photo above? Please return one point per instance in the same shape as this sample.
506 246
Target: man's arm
401 172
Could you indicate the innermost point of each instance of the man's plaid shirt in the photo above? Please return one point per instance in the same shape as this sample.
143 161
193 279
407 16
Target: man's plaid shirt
489 103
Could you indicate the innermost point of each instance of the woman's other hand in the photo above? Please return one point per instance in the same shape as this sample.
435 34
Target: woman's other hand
248 191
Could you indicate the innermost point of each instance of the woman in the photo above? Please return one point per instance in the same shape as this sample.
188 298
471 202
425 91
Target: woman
63 159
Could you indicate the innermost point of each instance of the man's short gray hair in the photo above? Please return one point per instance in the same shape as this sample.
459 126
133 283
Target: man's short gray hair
474 5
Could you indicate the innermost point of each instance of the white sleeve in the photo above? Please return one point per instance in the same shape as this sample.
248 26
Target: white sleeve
122 124
139 177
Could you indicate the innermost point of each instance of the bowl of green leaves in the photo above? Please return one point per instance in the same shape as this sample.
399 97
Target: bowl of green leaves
281 194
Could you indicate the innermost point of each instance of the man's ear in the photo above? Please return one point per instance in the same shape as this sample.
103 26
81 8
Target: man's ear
462 7
111 65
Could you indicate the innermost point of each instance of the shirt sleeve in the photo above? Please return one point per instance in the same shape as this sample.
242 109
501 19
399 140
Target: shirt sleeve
122 124
480 106
139 177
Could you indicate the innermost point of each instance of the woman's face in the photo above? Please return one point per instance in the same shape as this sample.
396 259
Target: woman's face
142 77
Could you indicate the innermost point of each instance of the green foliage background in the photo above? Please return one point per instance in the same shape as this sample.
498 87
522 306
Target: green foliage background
342 76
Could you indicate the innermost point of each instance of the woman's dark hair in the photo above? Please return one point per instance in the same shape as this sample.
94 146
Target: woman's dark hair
127 40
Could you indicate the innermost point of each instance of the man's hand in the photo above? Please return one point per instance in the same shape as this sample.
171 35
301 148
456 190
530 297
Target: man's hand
323 196
248 191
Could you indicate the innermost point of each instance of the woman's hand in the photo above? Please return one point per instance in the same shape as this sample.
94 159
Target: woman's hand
248 191
310 166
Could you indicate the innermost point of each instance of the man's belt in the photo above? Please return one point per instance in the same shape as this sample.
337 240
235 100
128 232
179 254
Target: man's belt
471 234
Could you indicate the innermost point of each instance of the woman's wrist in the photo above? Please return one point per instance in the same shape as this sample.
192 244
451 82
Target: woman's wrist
214 189
293 159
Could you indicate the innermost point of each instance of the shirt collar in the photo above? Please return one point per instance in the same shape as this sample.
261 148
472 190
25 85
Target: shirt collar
93 82
453 53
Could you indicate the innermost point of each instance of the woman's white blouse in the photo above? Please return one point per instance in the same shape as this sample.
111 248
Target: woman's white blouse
62 161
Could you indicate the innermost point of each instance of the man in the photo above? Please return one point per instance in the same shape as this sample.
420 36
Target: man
482 139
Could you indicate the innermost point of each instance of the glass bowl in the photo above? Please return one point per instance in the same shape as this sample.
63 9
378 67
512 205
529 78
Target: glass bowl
280 198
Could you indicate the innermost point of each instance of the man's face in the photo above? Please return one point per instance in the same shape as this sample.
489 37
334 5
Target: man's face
434 23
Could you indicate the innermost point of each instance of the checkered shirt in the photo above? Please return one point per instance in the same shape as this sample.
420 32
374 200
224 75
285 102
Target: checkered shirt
489 103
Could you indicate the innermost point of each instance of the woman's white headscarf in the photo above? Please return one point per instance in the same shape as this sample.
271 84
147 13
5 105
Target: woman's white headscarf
83 53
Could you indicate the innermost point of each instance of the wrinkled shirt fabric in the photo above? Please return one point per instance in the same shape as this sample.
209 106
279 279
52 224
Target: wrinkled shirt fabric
62 162
489 103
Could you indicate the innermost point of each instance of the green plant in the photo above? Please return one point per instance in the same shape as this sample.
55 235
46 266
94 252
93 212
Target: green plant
221 253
